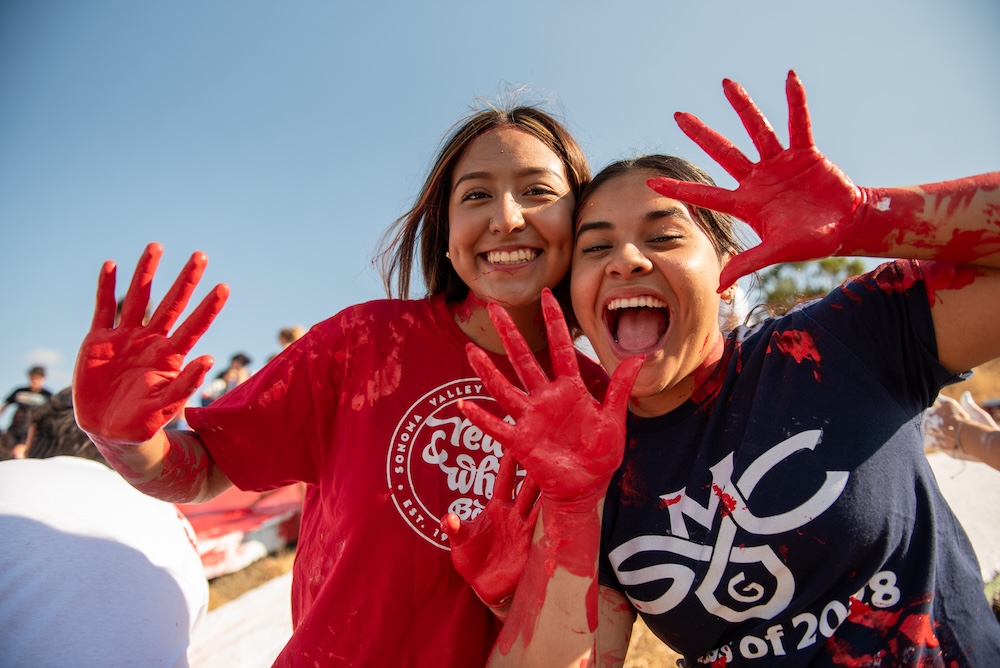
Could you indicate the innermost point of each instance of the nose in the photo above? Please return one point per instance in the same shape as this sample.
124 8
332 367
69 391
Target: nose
507 215
627 260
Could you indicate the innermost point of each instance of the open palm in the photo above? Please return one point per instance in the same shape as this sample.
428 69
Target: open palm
130 378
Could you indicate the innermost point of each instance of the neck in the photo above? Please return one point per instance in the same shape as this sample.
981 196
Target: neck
472 317
700 384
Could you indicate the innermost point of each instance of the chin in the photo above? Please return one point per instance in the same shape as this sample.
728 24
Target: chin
646 388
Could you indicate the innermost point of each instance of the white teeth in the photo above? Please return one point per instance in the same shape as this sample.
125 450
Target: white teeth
636 302
516 257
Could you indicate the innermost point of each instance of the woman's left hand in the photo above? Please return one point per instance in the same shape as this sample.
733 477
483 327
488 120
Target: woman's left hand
799 203
490 550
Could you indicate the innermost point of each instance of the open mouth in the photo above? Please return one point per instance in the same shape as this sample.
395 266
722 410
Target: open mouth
519 256
637 323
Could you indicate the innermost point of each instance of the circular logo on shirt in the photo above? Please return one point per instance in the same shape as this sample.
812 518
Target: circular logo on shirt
439 462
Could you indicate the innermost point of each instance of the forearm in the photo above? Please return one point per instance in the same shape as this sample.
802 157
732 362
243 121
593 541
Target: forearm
553 617
978 442
954 221
172 466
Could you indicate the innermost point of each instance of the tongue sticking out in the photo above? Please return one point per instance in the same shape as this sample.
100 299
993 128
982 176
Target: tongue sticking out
640 328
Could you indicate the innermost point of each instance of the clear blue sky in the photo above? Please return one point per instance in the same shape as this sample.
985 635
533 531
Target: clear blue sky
282 138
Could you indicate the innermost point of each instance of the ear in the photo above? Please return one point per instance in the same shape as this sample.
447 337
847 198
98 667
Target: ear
729 294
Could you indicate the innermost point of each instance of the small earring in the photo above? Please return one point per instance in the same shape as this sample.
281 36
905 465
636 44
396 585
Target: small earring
447 255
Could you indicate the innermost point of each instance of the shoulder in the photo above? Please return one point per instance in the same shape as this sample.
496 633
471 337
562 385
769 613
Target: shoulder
374 323
381 309
383 312
897 279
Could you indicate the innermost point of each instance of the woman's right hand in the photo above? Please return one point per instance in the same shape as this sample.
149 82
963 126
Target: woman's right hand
130 379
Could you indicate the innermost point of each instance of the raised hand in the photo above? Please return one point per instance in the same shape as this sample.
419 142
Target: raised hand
800 204
568 441
489 550
130 379
942 422
950 428
976 412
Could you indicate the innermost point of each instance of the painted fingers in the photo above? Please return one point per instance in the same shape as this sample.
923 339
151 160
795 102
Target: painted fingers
129 379
568 441
490 550
800 134
799 203
561 348
105 303
137 298
525 365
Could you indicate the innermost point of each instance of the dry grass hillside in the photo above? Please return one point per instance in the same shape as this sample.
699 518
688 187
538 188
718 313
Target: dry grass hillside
984 384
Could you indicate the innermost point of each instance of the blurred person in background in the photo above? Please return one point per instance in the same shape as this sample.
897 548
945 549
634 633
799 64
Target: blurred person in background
30 396
236 373
95 573
963 430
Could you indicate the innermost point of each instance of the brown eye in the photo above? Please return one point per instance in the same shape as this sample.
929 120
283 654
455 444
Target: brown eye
474 195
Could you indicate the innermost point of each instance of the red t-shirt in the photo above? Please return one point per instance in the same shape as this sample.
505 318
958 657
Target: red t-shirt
364 409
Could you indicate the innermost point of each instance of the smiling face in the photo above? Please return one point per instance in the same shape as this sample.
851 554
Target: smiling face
644 281
510 218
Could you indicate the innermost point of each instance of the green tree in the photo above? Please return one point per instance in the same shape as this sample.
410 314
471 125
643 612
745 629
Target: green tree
782 286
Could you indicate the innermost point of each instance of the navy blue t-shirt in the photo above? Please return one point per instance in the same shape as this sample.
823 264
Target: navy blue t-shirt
787 515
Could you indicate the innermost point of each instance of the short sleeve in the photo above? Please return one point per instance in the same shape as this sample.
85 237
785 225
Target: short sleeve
272 430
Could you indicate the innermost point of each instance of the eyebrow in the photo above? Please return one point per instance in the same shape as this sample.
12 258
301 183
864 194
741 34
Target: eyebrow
597 225
531 171
649 217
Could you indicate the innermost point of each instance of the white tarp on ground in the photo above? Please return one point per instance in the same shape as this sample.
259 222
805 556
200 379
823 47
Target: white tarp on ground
247 632
973 491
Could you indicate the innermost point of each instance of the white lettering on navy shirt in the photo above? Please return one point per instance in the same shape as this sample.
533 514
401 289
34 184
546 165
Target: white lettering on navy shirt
762 600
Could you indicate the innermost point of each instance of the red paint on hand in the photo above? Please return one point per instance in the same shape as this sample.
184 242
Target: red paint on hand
130 378
490 550
571 445
799 203
803 207
569 442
